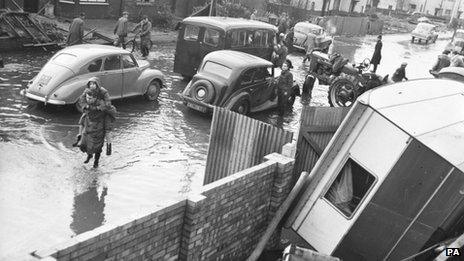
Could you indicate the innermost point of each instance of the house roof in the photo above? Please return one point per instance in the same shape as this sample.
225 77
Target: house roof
430 110
228 23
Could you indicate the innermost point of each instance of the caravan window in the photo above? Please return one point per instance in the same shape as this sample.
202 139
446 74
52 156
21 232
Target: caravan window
349 188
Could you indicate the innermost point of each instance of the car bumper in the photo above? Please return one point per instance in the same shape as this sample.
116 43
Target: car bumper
421 36
197 105
41 99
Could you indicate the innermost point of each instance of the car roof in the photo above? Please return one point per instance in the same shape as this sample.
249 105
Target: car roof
426 25
89 51
430 110
308 24
235 59
228 23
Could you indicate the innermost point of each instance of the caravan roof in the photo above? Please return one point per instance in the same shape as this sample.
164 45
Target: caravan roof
430 110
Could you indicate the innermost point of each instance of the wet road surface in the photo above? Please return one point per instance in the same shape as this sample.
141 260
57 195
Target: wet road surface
159 150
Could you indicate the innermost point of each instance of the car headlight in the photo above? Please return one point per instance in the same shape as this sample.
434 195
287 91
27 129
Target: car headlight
201 93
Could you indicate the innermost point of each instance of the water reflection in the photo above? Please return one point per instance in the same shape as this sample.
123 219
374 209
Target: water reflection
88 209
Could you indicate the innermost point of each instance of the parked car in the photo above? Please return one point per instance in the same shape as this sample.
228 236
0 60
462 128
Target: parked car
308 36
63 79
234 80
200 35
415 16
424 32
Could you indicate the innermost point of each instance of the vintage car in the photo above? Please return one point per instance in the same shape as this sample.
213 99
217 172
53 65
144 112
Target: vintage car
234 80
308 36
63 79
424 32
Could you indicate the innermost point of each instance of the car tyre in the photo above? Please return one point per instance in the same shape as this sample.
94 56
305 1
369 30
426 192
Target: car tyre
412 39
342 90
153 90
202 91
242 106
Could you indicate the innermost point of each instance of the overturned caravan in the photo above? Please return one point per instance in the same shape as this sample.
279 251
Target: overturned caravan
390 184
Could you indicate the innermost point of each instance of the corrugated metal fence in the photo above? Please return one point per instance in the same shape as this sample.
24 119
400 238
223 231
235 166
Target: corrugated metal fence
318 125
238 142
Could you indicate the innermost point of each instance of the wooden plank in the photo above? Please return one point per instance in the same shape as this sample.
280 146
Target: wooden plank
313 144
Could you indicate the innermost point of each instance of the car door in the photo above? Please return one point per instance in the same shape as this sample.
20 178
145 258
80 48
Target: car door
111 76
130 75
247 84
187 57
262 85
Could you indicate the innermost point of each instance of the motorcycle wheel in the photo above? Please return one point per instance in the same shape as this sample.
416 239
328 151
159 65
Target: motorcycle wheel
343 91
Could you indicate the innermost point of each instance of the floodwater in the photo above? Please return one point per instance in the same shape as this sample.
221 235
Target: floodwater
48 195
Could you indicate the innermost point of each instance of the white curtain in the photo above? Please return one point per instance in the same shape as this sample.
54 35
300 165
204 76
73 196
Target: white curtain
341 191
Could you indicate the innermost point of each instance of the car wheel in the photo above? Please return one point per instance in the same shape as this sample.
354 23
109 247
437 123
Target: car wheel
427 41
242 106
153 90
202 91
412 39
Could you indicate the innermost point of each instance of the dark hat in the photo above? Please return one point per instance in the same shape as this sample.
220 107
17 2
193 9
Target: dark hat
289 63
82 14
144 16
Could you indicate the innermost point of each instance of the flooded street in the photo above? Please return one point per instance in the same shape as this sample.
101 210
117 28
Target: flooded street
48 195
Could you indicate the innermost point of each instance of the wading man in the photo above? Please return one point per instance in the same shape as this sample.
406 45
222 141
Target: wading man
377 56
284 86
121 30
145 35
76 31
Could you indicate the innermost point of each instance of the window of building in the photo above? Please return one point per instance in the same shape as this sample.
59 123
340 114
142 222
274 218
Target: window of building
112 63
349 188
128 61
191 32
211 37
447 11
145 2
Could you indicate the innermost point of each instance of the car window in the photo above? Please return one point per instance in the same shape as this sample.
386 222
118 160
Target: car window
218 69
260 38
261 74
211 37
112 63
191 32
247 77
239 38
128 61
94 66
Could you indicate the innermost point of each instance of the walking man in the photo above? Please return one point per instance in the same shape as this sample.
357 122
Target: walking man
145 35
76 31
377 53
456 60
121 30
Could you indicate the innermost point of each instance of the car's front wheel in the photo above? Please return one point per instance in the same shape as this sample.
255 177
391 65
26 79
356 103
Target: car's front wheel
242 106
153 90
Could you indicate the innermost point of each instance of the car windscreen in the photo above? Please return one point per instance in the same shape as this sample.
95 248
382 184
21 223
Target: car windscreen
65 59
459 35
218 69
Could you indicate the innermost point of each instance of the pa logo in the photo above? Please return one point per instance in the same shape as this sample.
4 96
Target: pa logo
453 252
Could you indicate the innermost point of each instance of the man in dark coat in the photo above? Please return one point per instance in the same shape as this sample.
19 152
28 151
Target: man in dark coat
400 73
145 35
443 61
284 86
76 31
122 29
377 53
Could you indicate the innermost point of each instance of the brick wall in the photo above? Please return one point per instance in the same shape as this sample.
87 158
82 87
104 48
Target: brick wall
223 222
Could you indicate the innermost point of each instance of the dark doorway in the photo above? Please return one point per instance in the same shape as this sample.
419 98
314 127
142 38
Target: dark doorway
31 6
